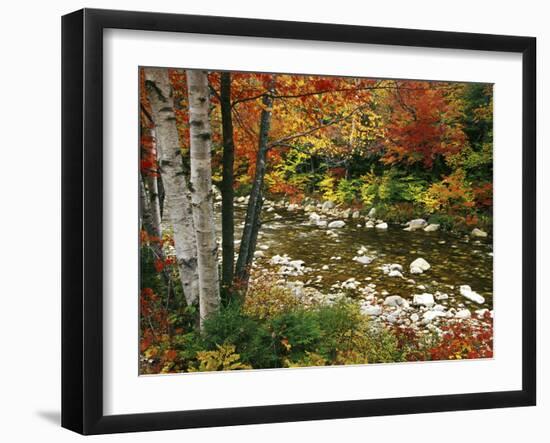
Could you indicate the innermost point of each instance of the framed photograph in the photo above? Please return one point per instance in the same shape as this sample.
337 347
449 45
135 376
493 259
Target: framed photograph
269 221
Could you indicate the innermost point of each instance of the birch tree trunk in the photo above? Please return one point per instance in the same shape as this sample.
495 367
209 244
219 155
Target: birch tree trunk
226 188
201 192
145 219
153 192
255 202
177 204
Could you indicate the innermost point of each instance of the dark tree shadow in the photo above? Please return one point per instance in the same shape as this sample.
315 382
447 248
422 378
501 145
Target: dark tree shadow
54 417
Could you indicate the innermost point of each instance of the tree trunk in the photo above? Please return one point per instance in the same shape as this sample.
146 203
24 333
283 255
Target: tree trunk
226 188
153 193
177 203
201 192
145 219
253 211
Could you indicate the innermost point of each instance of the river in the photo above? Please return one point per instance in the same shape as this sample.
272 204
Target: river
455 260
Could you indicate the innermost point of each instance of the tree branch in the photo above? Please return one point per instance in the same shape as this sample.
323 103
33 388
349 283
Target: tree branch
316 128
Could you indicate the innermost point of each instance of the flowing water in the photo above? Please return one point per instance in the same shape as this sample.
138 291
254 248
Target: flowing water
455 260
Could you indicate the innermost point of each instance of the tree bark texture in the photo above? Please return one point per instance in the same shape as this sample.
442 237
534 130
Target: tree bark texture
151 181
255 202
177 203
226 188
201 192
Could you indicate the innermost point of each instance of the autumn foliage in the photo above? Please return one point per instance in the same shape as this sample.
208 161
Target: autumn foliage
407 148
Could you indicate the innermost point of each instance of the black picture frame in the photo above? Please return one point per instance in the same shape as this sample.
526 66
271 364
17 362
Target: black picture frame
82 215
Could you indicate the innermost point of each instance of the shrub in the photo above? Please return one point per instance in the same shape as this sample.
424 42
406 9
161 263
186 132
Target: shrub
265 299
347 191
295 333
326 187
251 337
222 359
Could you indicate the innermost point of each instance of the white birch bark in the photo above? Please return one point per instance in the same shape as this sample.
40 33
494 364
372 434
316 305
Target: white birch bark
153 188
201 191
177 203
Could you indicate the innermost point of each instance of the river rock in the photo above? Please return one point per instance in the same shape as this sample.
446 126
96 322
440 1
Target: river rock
241 199
363 259
395 273
478 233
355 214
429 316
325 268
414 317
314 217
432 227
321 223
336 224
369 224
292 207
350 283
279 260
296 264
345 213
419 265
382 225
463 314
327 206
424 299
396 266
396 300
372 310
467 292
418 223
259 254
372 212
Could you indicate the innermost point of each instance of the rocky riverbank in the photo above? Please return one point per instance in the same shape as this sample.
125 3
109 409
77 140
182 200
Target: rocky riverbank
422 302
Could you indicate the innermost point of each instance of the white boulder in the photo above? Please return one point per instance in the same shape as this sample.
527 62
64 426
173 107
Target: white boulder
418 223
279 260
395 273
478 233
429 316
363 259
432 227
382 225
336 224
424 299
327 206
419 264
372 310
396 300
314 217
467 292
463 314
